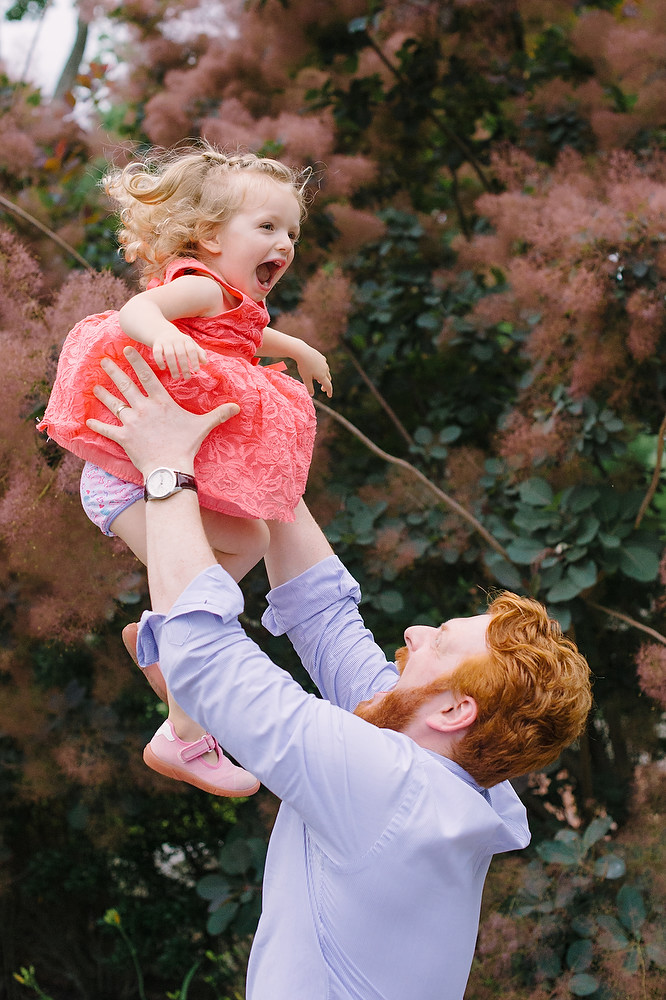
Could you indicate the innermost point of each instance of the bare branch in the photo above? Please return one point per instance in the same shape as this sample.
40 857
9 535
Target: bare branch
440 494
629 621
380 398
652 489
22 214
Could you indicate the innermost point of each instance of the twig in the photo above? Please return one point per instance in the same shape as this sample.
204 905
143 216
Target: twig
15 210
652 489
440 494
629 621
443 126
380 398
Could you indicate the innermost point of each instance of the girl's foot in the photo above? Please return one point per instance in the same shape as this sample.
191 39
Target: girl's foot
173 757
152 672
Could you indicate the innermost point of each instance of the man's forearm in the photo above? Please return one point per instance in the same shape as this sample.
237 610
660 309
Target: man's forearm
178 550
295 546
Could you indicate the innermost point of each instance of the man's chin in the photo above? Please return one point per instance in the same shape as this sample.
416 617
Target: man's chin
393 710
396 709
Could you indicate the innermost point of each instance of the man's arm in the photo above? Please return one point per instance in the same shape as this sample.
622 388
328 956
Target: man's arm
155 431
345 777
295 547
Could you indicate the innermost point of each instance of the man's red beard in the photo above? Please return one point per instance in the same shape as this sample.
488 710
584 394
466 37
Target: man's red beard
396 709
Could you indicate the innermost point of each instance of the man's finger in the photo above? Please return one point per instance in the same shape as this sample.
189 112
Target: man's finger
223 413
111 431
121 379
108 399
144 373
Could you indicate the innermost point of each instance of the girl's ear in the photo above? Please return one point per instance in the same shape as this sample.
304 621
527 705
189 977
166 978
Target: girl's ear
212 245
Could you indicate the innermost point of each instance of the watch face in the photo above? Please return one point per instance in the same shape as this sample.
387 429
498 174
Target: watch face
161 482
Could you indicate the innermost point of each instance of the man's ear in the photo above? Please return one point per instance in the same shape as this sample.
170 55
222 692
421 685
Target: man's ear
454 713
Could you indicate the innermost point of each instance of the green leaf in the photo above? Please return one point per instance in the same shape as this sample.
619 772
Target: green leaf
597 829
632 961
423 435
505 574
639 563
609 541
583 985
565 590
583 574
613 937
390 601
584 926
579 955
536 492
631 909
235 857
610 866
533 518
557 852
587 530
213 887
221 918
450 434
581 498
524 550
561 614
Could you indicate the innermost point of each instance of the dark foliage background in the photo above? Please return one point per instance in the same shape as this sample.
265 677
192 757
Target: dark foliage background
484 263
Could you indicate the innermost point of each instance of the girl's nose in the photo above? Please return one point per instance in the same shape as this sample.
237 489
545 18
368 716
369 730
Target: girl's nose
284 242
416 635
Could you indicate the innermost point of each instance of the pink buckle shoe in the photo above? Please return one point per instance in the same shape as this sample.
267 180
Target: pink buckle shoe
169 755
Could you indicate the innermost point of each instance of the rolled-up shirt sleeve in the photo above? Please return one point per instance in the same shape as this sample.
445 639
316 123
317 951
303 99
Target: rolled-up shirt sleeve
319 612
312 754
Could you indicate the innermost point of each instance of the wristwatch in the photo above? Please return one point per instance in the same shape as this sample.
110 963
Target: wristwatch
162 483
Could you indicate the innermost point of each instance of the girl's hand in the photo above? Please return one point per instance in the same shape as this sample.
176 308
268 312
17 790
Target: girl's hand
313 365
179 353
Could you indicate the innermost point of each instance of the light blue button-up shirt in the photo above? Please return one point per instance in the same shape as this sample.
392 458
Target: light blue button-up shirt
378 856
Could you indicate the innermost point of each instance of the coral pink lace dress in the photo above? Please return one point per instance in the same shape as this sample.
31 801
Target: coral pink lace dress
254 465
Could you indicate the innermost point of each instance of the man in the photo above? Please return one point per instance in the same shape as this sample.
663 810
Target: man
377 861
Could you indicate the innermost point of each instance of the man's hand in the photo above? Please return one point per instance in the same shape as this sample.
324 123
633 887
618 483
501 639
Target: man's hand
154 430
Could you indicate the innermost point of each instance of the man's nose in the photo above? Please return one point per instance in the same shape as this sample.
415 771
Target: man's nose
416 635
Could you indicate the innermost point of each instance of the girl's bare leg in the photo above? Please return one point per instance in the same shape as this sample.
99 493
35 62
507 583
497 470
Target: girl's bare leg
238 544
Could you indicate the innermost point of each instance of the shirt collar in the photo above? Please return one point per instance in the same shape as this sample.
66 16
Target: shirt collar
460 773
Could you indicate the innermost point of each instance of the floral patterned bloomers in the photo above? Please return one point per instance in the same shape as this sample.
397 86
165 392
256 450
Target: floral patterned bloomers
254 465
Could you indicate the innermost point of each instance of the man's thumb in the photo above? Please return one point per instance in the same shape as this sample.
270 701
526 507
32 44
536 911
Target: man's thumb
223 413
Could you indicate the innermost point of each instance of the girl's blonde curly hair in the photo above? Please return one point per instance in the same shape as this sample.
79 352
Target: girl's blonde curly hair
171 200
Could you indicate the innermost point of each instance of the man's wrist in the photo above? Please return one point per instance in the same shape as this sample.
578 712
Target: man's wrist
164 481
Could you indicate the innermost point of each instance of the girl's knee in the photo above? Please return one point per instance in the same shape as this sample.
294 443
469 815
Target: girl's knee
256 537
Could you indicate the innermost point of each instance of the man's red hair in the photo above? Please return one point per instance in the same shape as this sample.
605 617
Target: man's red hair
532 690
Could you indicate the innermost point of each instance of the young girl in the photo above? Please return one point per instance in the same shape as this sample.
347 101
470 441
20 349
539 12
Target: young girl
214 234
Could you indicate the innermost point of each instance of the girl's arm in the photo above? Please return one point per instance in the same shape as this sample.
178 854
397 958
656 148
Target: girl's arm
311 363
147 318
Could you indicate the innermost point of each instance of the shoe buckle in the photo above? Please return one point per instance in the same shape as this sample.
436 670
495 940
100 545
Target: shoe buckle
198 748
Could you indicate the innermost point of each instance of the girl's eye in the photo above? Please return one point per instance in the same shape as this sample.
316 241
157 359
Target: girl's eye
267 225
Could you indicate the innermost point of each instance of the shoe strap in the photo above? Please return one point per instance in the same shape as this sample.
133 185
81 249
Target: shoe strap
198 748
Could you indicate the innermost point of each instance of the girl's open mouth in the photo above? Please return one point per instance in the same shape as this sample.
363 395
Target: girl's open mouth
267 272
